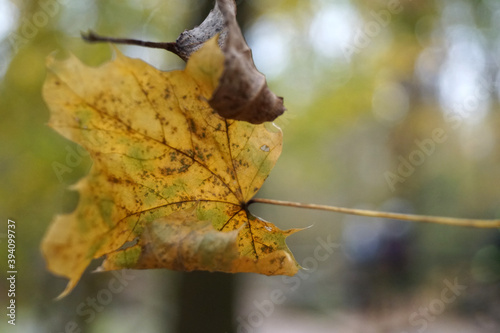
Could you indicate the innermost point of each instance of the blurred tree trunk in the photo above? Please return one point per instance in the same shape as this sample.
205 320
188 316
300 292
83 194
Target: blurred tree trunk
206 303
206 300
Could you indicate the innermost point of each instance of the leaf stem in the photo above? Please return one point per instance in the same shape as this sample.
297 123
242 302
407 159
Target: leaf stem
476 223
92 37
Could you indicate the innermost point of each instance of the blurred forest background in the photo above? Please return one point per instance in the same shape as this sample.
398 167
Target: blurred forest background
392 105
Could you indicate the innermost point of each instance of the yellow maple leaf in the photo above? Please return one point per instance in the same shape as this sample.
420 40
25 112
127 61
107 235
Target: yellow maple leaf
170 175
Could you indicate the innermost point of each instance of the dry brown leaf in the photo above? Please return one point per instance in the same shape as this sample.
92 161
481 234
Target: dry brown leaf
242 93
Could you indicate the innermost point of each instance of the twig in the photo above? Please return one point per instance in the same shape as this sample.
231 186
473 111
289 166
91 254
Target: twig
476 223
92 37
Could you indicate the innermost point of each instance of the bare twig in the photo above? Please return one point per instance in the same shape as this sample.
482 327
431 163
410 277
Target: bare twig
476 223
92 37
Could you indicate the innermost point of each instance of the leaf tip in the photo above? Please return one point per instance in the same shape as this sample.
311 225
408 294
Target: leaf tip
69 287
